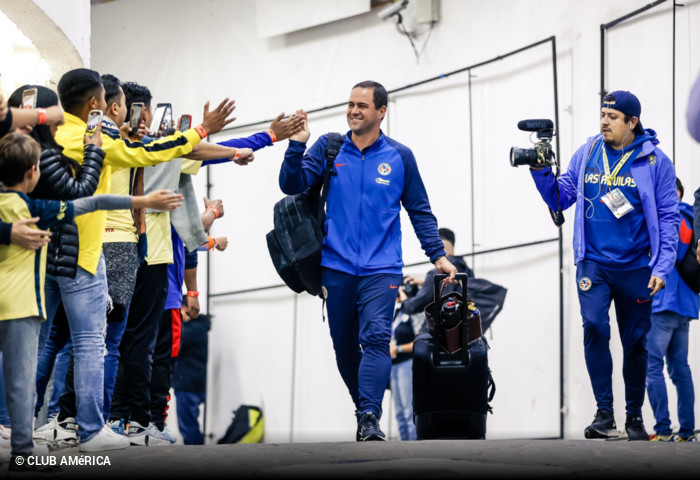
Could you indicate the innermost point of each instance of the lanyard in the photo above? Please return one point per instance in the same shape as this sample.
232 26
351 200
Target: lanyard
616 170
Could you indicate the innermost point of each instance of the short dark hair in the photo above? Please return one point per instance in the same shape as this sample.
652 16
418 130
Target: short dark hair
113 88
135 93
381 98
45 98
76 87
18 154
447 234
679 186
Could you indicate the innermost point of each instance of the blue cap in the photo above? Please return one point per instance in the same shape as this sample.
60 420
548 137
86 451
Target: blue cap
625 102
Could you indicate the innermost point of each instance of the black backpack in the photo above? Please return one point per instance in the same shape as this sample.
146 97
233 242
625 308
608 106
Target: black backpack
247 426
688 266
296 241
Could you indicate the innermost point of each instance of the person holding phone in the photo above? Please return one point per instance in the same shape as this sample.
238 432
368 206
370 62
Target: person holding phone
85 298
12 118
62 179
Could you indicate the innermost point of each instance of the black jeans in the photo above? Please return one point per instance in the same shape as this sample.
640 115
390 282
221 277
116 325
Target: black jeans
131 398
164 356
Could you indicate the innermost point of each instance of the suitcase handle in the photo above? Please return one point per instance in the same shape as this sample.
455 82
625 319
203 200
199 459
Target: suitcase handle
438 284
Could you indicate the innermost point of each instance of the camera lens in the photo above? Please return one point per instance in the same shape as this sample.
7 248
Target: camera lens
523 156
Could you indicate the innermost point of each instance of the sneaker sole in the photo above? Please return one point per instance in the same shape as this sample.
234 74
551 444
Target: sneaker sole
591 433
87 448
148 441
55 436
372 438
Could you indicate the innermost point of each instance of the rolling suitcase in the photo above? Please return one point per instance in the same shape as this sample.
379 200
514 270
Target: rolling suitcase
452 383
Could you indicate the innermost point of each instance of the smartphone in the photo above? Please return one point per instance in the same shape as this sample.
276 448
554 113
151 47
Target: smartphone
94 120
185 122
167 122
157 122
136 115
29 98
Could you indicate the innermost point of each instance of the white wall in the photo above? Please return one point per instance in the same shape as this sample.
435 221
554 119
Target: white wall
73 18
272 349
57 40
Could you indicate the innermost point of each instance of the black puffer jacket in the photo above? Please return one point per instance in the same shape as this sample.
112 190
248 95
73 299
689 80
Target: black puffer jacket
57 182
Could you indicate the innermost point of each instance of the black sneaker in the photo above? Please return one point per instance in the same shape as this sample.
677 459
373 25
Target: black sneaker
368 428
603 425
19 467
635 429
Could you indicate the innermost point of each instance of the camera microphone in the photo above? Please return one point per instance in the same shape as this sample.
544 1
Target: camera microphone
535 125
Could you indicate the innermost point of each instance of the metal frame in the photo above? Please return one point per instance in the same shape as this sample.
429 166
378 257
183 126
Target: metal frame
559 239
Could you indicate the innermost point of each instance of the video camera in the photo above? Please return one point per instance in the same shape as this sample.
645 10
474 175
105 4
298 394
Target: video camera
542 154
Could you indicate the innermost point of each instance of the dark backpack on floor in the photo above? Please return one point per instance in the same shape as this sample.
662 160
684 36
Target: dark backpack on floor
247 426
296 241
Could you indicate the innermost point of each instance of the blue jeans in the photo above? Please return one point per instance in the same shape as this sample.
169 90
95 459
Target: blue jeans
4 414
360 312
188 416
85 301
55 350
668 338
628 289
402 391
18 343
115 332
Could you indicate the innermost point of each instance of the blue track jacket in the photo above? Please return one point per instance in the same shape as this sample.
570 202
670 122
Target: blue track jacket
655 177
363 227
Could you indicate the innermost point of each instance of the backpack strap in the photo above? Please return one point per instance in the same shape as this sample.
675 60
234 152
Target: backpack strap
335 141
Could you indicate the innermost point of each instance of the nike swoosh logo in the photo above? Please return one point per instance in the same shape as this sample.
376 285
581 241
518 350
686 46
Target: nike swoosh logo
340 164
643 301
393 287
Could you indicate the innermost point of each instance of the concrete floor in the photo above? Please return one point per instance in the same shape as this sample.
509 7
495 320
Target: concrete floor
426 459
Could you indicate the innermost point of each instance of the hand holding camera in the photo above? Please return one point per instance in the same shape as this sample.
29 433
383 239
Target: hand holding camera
542 154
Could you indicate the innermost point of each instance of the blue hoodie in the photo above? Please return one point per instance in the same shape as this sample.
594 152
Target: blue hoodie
677 296
363 227
655 178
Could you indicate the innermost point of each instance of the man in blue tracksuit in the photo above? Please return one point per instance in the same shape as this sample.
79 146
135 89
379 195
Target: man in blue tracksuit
373 176
672 310
625 235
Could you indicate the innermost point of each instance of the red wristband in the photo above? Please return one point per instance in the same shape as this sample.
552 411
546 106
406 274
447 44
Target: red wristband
271 134
193 294
42 116
200 130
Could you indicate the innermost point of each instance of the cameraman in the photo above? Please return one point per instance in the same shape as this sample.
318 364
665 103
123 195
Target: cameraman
625 234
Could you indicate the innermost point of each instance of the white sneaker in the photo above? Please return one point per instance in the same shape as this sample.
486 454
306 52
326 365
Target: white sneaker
6 446
58 431
169 435
105 440
146 436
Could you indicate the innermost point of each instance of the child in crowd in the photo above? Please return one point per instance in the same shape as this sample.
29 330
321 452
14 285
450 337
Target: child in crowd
22 273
